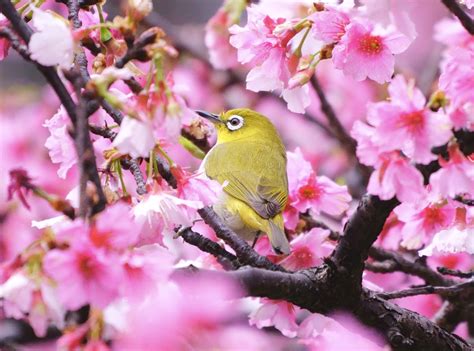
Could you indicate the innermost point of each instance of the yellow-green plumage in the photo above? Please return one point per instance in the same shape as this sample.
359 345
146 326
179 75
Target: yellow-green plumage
250 163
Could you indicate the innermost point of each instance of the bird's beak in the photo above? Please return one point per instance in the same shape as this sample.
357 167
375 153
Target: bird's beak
209 116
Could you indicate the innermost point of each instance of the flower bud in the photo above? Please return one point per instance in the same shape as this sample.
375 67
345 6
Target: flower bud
138 9
438 100
301 78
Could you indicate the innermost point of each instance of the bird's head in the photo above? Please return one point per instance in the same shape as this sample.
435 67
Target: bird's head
241 123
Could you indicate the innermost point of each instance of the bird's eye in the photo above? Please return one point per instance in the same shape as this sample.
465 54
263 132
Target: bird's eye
235 122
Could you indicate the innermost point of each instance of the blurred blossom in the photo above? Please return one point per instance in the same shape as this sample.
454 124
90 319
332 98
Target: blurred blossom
279 314
59 143
83 273
221 54
51 32
190 314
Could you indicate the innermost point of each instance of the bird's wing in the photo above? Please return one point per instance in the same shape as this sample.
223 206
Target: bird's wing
253 172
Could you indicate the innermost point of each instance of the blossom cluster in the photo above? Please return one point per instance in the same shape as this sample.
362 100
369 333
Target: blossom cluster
283 52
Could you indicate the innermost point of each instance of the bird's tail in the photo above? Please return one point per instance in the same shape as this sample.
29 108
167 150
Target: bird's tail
277 236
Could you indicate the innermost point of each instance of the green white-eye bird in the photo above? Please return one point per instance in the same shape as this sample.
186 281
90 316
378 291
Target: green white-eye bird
249 160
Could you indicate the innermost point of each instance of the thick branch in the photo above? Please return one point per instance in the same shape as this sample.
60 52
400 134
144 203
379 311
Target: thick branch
360 232
463 17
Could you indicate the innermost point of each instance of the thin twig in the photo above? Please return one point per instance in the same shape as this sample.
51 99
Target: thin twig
244 252
345 140
464 18
15 42
445 291
134 168
225 258
399 262
455 272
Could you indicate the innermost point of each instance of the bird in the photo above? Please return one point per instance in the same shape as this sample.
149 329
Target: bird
249 161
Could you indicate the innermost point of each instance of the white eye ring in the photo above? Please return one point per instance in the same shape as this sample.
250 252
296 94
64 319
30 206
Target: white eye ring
235 122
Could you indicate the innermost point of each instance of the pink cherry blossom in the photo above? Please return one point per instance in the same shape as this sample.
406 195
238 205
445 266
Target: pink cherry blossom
114 228
423 220
263 44
364 52
160 212
169 320
135 137
308 250
329 25
144 268
320 194
51 32
221 54
368 152
279 314
405 124
59 143
197 187
457 75
83 275
396 177
456 176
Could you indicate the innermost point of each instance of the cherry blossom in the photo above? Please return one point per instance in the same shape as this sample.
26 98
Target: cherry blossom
396 177
51 32
59 143
404 123
307 250
135 137
456 175
221 54
452 240
365 52
320 194
279 314
84 274
423 220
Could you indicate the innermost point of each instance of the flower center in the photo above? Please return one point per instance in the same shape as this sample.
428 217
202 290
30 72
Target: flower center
413 121
86 265
309 192
371 45
433 217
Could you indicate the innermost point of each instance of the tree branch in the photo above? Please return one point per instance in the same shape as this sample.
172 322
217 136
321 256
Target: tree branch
464 18
455 272
244 252
225 258
444 291
85 150
399 262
